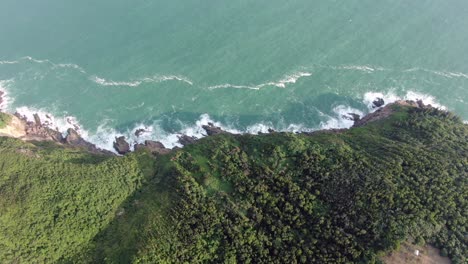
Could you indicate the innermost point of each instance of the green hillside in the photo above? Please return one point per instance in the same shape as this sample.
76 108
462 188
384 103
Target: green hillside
330 197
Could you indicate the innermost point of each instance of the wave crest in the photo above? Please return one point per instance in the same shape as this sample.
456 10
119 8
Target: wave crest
282 83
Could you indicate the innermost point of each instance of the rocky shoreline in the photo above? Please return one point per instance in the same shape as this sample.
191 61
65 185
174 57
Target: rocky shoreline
39 130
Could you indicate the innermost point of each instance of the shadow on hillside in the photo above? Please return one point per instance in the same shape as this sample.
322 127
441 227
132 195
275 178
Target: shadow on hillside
133 222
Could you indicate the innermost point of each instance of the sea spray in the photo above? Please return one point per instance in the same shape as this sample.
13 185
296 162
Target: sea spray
5 100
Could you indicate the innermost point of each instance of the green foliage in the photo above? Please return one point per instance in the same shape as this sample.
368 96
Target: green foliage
54 200
276 198
4 119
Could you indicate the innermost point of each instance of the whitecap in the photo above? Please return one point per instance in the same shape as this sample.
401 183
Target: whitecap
446 74
138 82
363 68
104 82
282 83
8 62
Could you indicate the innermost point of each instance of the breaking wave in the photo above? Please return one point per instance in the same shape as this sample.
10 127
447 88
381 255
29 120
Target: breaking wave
138 82
5 100
282 83
391 97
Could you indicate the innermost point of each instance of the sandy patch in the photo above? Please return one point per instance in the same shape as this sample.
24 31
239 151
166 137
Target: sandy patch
406 255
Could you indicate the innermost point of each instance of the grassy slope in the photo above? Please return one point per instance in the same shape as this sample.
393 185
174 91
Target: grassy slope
4 119
328 197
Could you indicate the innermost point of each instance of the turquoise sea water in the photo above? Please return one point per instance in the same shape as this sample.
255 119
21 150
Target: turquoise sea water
169 66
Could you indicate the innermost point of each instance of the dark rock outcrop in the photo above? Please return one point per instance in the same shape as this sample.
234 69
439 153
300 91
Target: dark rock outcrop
352 116
121 145
154 147
186 140
74 139
378 102
212 130
36 130
140 132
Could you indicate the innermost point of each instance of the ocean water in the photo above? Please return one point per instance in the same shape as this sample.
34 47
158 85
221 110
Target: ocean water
111 67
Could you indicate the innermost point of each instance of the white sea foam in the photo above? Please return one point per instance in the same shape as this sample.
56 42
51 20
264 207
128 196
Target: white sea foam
339 120
446 74
391 97
54 65
8 62
363 68
61 123
282 83
104 82
6 99
138 82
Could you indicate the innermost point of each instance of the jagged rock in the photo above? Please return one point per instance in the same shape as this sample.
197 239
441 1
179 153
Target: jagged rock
352 116
186 140
270 130
55 135
73 138
139 132
121 145
37 120
420 103
212 130
378 102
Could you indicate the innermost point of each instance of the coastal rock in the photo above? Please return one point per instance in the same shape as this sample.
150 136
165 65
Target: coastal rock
121 145
139 146
270 130
186 140
37 120
212 130
73 138
378 102
156 147
352 116
55 135
140 132
381 113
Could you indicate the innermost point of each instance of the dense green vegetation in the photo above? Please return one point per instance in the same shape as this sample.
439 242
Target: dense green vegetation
278 198
4 119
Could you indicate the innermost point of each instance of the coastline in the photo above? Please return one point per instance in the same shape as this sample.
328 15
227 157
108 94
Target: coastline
22 128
